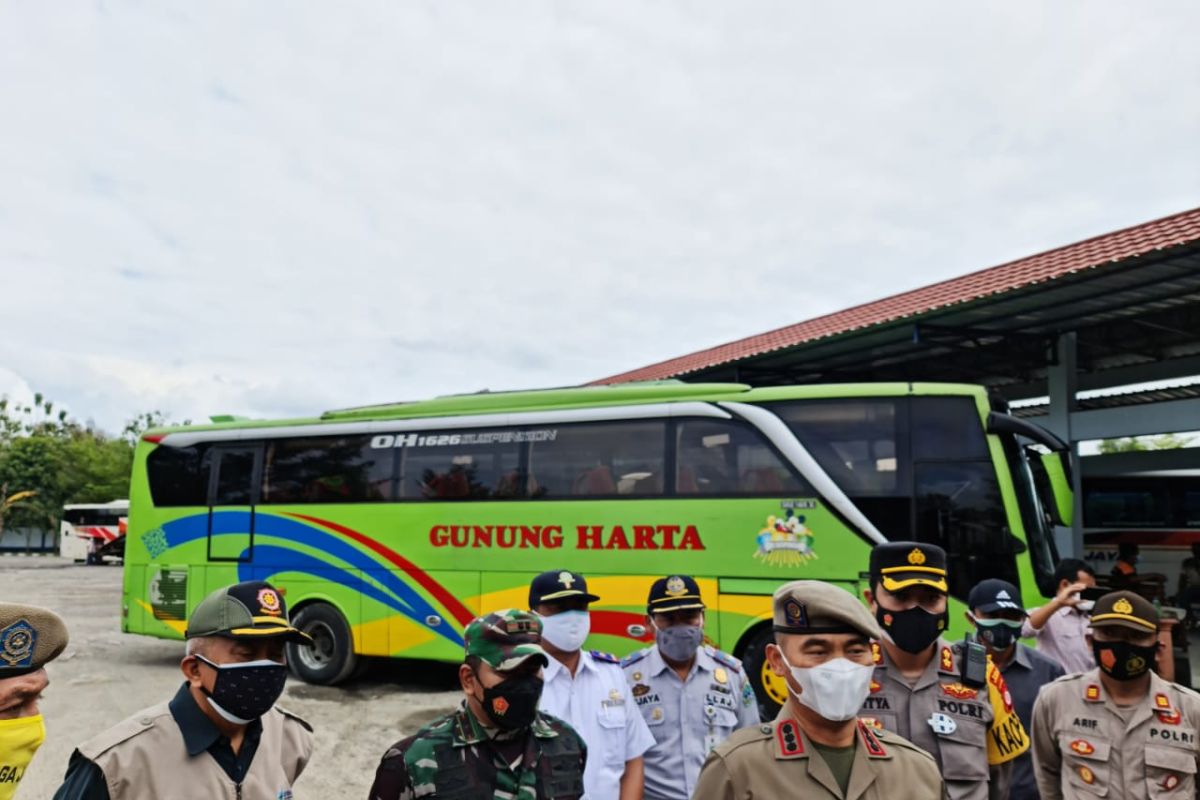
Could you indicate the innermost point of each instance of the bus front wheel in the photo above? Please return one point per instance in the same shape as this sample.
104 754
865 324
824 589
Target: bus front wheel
769 688
331 658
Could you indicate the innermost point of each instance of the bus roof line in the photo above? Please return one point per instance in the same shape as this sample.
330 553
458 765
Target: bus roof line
782 437
549 417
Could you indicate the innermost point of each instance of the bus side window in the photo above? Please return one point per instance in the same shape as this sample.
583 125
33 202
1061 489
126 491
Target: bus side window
455 465
598 459
178 476
327 469
721 457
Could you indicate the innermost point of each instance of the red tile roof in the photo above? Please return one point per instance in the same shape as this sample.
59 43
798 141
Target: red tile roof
1160 234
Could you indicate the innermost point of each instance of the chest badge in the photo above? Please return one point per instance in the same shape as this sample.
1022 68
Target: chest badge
721 675
1083 748
942 724
1170 717
959 691
614 695
876 686
656 714
1087 776
1170 782
640 690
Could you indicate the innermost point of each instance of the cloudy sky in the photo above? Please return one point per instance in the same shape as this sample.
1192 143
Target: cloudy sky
275 209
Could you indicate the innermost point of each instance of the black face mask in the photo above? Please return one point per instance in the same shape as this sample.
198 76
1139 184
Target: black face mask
512 704
1124 661
913 630
999 636
244 692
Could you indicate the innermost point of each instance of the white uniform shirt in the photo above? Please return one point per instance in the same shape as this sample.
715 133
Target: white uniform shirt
687 719
1062 638
597 703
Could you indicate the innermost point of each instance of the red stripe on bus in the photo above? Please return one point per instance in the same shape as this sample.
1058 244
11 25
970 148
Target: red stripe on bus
616 623
448 601
1146 538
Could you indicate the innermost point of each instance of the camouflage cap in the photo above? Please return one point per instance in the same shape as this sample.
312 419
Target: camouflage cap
505 639
30 637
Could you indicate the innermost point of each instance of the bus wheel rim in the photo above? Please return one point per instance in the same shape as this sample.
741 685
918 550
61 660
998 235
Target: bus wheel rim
775 686
324 647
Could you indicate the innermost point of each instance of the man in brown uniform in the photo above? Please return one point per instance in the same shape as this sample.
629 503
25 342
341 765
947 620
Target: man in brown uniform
928 689
817 748
1119 730
221 736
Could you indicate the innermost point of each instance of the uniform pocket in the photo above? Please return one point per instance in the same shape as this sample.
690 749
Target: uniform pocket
1085 763
722 718
612 726
1170 772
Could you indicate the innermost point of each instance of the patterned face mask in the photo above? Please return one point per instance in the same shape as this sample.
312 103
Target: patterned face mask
244 692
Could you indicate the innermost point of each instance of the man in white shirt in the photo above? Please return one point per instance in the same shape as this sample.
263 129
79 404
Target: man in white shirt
1062 624
588 690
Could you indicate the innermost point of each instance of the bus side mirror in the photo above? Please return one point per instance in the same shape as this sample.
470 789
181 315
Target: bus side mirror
1052 475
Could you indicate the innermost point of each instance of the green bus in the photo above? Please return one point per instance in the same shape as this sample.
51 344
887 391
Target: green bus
390 527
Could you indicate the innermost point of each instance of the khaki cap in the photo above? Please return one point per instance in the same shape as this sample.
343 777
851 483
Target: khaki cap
30 638
809 607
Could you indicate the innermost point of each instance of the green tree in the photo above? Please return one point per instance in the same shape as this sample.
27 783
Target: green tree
1135 444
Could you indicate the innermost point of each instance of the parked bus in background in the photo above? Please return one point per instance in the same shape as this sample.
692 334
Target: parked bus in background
1160 512
390 527
91 532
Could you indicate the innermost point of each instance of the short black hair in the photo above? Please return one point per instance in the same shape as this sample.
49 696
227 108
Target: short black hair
1069 568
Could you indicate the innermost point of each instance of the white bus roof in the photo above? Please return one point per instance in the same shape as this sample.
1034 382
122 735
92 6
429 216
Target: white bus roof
113 504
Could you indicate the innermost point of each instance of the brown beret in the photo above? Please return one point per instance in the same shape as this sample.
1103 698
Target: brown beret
810 607
30 637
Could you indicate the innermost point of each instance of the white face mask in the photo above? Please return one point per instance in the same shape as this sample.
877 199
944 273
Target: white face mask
567 630
836 689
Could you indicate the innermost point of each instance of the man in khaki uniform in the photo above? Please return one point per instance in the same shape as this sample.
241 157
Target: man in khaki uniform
924 690
817 748
221 736
1117 731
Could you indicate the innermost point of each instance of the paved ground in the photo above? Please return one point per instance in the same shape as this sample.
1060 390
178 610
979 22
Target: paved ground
106 675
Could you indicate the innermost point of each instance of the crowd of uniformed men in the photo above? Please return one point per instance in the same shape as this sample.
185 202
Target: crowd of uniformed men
879 704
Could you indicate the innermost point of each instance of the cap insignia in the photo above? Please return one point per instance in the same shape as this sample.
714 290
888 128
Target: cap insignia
796 614
721 675
520 625
566 579
1003 595
916 557
1123 606
268 602
675 586
16 644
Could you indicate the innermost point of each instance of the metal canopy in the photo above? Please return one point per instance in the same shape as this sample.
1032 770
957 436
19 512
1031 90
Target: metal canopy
1144 313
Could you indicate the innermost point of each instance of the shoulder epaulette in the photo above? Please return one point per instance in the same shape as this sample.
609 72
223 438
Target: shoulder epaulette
607 658
124 731
296 717
727 660
635 656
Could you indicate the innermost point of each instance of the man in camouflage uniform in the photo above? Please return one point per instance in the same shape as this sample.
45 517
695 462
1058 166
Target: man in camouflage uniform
497 745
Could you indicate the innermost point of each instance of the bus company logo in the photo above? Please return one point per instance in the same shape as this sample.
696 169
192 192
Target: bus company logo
785 541
384 441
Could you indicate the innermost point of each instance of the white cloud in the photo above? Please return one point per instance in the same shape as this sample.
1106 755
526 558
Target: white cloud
237 208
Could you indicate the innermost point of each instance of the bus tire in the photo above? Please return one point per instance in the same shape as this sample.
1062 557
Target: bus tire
769 689
331 659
